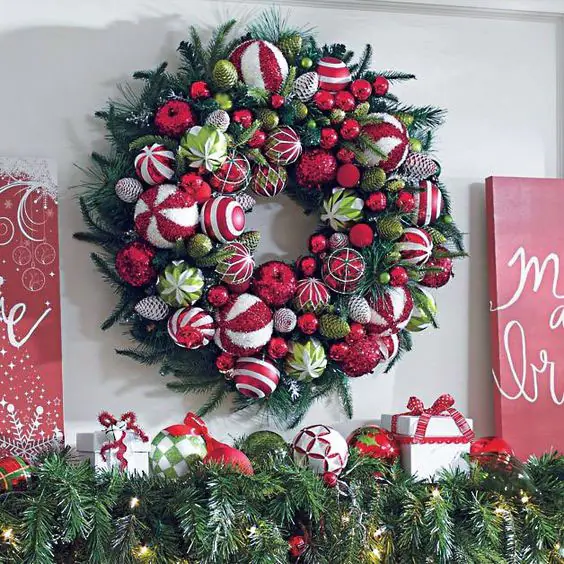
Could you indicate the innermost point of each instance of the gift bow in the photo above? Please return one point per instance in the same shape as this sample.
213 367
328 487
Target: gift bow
442 406
126 423
197 424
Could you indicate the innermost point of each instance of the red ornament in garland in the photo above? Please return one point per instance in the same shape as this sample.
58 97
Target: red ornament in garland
315 168
350 129
277 101
390 311
191 327
174 117
325 101
491 449
307 266
361 89
338 351
155 164
361 235
225 362
257 140
405 201
356 333
381 86
194 185
218 296
330 479
398 276
363 357
229 456
277 348
199 90
255 377
239 288
134 264
275 283
329 138
233 175
333 74
308 323
415 246
376 202
375 442
15 474
222 218
345 101
348 175
318 243
441 273
297 545
345 155
243 117
429 203
343 270
392 140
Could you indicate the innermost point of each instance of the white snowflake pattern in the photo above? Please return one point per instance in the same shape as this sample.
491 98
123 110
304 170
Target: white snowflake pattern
38 171
294 389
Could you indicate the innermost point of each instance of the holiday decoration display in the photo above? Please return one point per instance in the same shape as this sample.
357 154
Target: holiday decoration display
267 113
321 448
15 474
164 214
254 377
154 164
431 439
375 442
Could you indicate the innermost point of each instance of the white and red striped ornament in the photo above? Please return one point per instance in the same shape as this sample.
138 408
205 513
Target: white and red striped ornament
233 175
283 146
260 64
164 214
193 322
238 266
389 348
343 269
222 218
429 203
391 138
320 448
311 295
415 246
390 311
333 74
255 377
244 325
155 164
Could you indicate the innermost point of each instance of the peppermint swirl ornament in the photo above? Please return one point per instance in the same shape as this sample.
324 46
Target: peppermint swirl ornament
255 377
390 311
191 328
154 164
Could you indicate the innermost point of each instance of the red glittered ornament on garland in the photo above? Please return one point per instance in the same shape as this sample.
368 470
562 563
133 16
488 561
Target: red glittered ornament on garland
356 333
375 442
338 351
277 101
307 266
405 201
329 138
243 117
350 129
441 271
361 89
330 479
257 140
398 276
199 90
361 235
318 243
174 117
363 357
134 264
225 362
275 283
348 175
297 545
381 86
196 186
218 296
233 174
308 323
240 288
345 101
345 155
324 100
277 348
376 202
315 168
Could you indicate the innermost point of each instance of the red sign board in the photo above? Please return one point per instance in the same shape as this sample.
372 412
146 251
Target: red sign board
526 242
31 412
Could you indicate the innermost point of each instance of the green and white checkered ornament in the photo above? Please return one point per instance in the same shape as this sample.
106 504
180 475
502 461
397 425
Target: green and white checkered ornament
342 209
422 317
173 448
204 146
180 284
306 361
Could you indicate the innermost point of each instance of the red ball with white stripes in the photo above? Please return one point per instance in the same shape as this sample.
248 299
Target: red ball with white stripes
333 74
255 377
390 311
415 246
429 203
155 164
222 219
191 327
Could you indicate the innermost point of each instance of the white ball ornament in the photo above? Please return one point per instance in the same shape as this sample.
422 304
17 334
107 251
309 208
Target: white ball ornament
128 190
321 449
154 164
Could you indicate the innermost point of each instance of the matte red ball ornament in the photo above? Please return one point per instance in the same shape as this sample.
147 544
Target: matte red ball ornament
308 323
277 348
356 333
194 185
405 201
297 545
381 86
325 101
330 479
275 283
307 266
239 288
277 101
338 351
257 140
218 296
174 117
361 89
225 362
376 202
363 357
398 276
441 273
199 90
229 456
315 168
318 243
345 101
243 117
361 235
333 74
375 442
491 449
345 155
350 129
348 175
329 138
134 264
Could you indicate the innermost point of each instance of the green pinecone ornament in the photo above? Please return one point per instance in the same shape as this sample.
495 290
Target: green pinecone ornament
333 327
362 109
337 115
373 179
290 46
250 240
389 228
300 110
395 185
199 246
224 74
269 118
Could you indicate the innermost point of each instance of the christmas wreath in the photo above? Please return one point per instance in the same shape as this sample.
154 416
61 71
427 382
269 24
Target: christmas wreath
266 113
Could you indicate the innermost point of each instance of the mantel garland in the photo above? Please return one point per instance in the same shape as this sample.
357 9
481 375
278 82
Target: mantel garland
269 112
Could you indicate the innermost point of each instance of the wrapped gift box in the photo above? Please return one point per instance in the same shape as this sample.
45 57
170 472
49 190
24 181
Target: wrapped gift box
89 445
431 439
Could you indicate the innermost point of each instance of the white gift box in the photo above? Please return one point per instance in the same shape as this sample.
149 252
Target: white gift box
427 458
89 445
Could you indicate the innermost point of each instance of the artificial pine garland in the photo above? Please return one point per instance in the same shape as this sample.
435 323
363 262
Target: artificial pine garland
499 513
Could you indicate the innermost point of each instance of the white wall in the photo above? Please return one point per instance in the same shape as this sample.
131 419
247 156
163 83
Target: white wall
60 61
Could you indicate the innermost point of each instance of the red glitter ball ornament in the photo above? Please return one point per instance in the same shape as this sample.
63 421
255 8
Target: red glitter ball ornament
243 117
361 235
338 351
218 296
174 117
330 479
398 276
345 101
350 129
348 175
297 545
356 333
308 266
277 101
199 90
318 243
196 186
308 323
361 89
405 201
362 358
324 100
345 155
277 347
225 362
376 202
315 168
257 140
375 442
134 264
441 273
329 138
274 283
381 86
